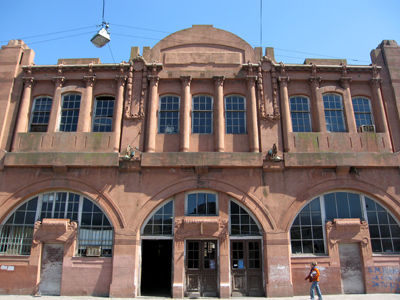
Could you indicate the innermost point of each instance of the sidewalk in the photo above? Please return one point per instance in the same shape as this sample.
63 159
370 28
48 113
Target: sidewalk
327 297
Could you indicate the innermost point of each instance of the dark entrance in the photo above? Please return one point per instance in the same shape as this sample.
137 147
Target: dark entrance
156 268
201 269
246 268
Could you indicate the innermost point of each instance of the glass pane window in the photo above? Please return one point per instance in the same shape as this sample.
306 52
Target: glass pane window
202 115
40 114
201 204
362 111
103 114
384 230
341 205
334 116
300 113
71 104
242 223
95 229
235 114
307 230
169 115
161 221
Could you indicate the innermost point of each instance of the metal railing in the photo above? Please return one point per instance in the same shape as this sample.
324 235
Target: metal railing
16 239
95 241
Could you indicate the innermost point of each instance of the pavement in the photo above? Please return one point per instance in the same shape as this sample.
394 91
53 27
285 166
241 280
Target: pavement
325 297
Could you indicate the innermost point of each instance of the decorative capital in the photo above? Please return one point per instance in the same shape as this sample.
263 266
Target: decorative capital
28 81
219 80
251 80
121 79
375 82
89 80
59 80
345 82
284 80
154 79
186 80
315 80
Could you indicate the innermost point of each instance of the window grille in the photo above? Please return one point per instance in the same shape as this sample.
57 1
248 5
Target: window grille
16 239
161 222
103 114
202 115
70 112
169 115
334 115
235 114
242 223
40 114
300 113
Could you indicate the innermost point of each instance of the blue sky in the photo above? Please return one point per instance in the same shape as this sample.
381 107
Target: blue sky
297 29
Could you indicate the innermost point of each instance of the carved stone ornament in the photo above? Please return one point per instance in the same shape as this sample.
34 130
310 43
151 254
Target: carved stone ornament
347 230
138 65
345 82
266 65
54 230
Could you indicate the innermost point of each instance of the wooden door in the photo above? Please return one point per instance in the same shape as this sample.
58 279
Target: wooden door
201 269
246 270
351 269
51 270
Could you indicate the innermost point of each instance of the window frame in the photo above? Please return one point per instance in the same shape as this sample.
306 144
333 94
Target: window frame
363 112
205 111
239 112
300 112
62 109
166 111
145 223
251 215
103 117
201 192
329 109
33 112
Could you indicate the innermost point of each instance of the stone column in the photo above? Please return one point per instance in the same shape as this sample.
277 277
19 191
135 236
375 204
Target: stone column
219 126
224 249
286 117
125 264
317 106
252 114
179 248
277 264
152 127
56 105
348 105
23 116
85 119
377 106
118 111
185 115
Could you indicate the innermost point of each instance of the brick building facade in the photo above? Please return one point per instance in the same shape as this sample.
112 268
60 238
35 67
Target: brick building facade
201 167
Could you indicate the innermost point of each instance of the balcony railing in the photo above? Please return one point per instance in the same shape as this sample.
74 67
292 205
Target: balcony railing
16 239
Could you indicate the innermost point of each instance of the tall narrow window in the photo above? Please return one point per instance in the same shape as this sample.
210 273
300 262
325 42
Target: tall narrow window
71 104
334 116
169 115
300 113
362 111
40 114
202 115
235 114
103 114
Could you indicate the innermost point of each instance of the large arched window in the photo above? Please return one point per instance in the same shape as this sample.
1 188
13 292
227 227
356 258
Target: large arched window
307 231
160 222
95 233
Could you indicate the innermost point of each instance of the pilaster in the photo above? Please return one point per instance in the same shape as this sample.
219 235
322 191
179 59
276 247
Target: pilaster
152 127
185 116
219 126
252 114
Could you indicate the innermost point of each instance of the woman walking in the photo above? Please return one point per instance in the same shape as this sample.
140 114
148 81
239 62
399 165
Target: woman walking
313 277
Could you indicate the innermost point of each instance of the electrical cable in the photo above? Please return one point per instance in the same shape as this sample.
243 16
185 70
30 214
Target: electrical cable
46 34
111 53
64 37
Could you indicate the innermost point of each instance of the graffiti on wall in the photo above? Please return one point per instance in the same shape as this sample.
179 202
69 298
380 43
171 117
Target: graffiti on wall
386 278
